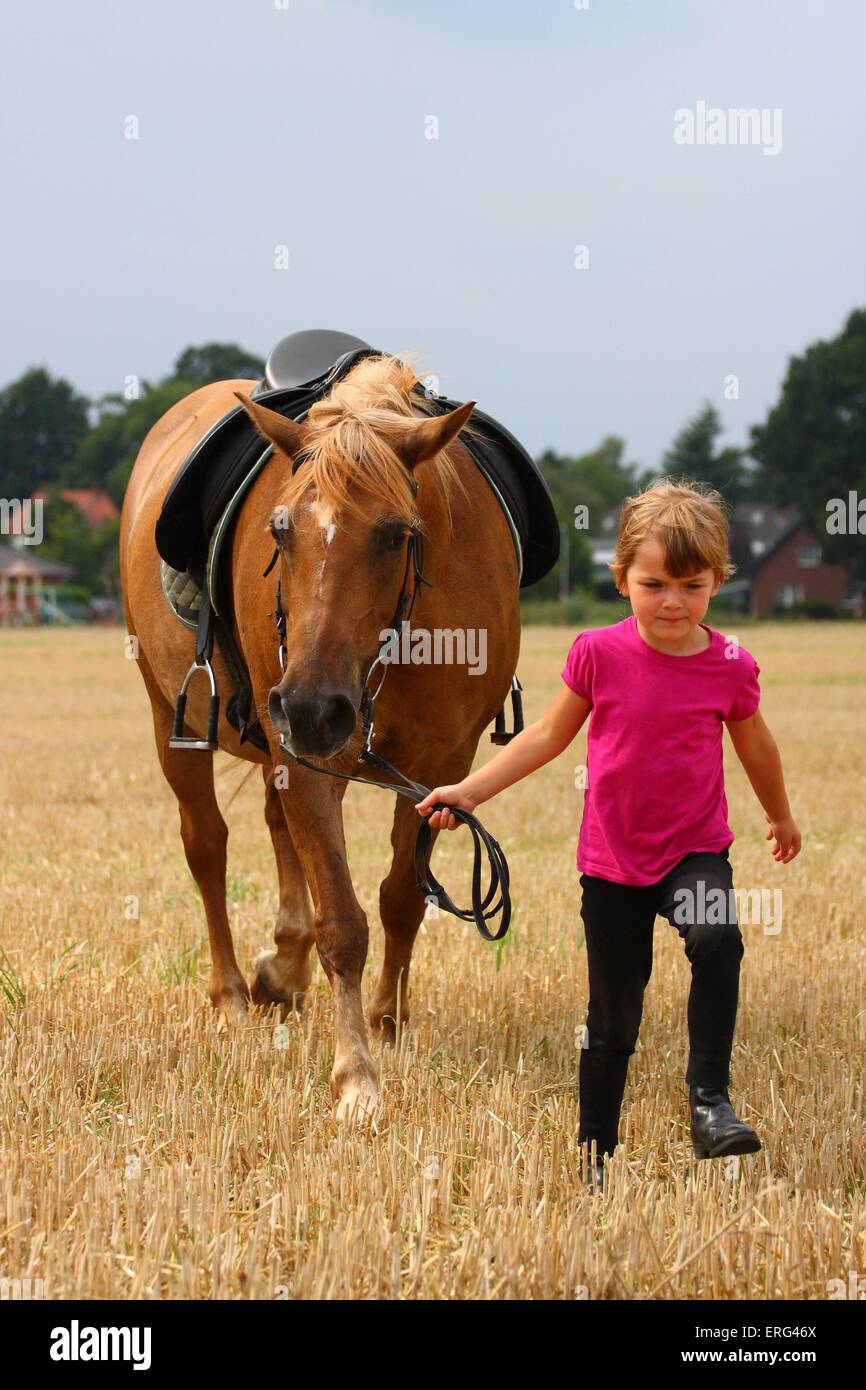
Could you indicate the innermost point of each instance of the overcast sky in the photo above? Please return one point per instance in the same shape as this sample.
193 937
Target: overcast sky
305 124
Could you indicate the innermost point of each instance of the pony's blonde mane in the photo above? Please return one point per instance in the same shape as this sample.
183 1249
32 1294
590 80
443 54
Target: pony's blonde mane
347 436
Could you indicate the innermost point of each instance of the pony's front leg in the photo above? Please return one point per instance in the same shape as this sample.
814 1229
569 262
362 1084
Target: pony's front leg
401 907
313 809
401 903
283 976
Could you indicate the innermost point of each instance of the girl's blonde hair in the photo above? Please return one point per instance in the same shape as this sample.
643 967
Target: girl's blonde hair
689 519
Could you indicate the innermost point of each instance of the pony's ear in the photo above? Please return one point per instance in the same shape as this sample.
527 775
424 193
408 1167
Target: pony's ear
275 427
417 440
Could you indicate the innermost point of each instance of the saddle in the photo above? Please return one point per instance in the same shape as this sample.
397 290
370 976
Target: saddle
206 494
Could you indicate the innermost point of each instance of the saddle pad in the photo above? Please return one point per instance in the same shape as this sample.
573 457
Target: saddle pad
182 591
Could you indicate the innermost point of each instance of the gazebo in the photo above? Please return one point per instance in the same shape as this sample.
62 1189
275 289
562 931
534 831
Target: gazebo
28 586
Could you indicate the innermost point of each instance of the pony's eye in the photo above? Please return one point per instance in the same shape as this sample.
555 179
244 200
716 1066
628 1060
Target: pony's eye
394 541
389 536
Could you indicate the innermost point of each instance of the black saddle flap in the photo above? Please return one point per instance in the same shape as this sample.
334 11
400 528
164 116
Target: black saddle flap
212 473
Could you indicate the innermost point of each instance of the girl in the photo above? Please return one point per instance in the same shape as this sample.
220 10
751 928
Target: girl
654 836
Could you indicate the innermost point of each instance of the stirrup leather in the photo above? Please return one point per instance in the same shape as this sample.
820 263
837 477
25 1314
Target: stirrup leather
501 734
202 662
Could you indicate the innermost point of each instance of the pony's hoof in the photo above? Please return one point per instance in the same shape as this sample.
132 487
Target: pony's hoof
358 1102
231 1006
384 1028
228 1018
267 993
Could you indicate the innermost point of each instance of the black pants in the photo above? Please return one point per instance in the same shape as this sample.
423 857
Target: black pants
618 922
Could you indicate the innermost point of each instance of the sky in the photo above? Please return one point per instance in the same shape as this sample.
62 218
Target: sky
430 170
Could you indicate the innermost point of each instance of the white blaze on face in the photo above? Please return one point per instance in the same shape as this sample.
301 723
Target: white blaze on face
324 515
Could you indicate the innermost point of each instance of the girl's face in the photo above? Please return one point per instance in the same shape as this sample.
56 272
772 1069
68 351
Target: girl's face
668 609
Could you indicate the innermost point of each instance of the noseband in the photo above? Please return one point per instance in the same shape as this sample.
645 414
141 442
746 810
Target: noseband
415 791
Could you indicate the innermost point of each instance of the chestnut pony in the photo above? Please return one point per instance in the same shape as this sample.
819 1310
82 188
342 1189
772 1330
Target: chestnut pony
341 524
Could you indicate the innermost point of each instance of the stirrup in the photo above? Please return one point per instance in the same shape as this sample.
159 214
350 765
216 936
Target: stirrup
500 734
178 738
201 662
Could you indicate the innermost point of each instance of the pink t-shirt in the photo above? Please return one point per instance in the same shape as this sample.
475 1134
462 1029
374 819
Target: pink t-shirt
656 788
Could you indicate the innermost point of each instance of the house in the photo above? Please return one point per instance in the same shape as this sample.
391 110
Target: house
779 563
93 503
602 549
28 586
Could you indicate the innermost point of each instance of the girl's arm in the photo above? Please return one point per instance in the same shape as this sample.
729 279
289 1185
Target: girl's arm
758 752
534 746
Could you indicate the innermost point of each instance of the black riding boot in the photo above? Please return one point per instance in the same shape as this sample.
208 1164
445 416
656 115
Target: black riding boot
716 1131
591 1172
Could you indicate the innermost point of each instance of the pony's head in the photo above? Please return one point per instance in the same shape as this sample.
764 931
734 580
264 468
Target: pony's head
342 528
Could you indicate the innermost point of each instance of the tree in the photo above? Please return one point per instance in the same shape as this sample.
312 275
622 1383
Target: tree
42 422
100 449
596 481
812 447
217 362
105 457
693 453
90 550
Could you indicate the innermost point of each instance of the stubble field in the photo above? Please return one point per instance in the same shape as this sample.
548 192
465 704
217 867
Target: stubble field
146 1155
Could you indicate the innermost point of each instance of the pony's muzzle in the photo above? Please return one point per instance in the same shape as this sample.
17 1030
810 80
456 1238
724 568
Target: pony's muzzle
318 724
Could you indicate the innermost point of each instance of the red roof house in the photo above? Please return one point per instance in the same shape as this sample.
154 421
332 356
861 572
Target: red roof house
93 503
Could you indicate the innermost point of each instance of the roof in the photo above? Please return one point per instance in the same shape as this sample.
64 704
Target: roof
757 529
15 563
602 549
93 503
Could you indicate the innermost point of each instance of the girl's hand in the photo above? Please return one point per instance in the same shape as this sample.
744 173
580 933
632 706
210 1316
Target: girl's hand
452 796
787 837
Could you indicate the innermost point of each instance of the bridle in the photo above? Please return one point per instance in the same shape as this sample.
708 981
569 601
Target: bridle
415 791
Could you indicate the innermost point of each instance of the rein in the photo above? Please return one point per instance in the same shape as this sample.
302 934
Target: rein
415 791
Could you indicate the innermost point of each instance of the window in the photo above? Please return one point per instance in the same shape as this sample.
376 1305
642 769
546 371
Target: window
809 555
789 594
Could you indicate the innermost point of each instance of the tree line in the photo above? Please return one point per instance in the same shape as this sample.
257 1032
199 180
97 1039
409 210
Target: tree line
810 449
